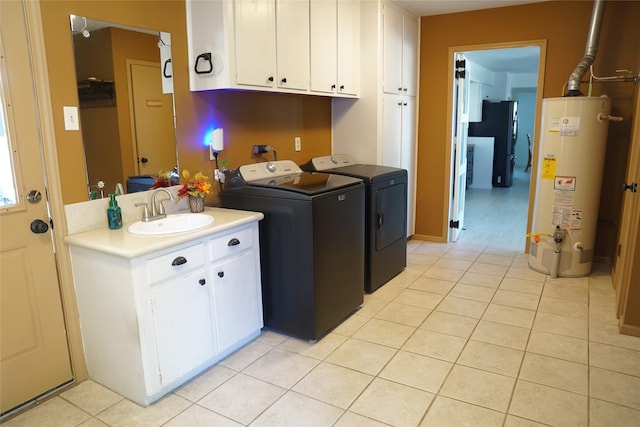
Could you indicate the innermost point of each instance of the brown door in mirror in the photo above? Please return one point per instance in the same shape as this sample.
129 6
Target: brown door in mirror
152 119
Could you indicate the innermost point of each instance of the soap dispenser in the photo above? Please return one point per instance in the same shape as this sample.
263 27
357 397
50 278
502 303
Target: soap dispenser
114 213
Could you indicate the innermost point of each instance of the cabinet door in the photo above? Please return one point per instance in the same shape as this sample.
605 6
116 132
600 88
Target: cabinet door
410 40
255 42
238 307
391 153
292 44
323 39
183 325
408 157
348 45
392 36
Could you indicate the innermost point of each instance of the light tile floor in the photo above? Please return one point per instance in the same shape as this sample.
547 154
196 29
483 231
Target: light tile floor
465 336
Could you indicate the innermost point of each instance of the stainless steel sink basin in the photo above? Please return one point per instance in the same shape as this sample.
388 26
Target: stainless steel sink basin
176 223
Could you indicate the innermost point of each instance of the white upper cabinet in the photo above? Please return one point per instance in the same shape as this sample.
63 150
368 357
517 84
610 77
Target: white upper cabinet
293 46
255 42
348 47
400 35
335 46
165 59
323 36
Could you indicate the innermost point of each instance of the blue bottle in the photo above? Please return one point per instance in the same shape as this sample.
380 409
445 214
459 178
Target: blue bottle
114 213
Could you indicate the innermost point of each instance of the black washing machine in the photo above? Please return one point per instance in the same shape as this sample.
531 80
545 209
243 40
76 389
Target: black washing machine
385 214
311 243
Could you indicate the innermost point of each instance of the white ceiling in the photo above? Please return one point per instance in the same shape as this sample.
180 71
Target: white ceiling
440 7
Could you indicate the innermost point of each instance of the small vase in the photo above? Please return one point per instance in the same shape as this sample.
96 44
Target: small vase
196 203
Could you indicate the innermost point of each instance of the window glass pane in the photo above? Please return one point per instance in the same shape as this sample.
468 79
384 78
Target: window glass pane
7 181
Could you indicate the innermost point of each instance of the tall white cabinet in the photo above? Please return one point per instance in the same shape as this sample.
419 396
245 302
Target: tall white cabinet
380 128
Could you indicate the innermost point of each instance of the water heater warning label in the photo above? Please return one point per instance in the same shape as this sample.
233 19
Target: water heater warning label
567 183
562 208
548 167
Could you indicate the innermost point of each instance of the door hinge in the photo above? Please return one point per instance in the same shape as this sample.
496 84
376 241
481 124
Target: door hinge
454 224
51 222
460 69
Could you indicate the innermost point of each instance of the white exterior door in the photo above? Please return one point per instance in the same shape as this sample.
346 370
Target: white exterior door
460 126
35 353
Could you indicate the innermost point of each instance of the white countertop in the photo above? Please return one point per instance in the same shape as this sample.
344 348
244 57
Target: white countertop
124 244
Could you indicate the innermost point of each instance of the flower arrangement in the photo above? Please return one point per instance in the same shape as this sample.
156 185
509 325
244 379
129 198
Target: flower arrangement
197 186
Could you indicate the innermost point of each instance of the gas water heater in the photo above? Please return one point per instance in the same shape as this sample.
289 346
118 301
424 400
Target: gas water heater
573 140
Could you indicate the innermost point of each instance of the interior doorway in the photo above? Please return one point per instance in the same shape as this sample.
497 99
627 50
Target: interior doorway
498 213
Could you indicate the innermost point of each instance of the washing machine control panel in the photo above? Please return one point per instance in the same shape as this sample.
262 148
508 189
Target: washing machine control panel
264 170
330 162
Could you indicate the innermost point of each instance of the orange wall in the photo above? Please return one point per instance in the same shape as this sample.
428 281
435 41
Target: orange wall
247 118
564 25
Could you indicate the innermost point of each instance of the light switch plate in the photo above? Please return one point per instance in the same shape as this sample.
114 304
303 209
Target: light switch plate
71 120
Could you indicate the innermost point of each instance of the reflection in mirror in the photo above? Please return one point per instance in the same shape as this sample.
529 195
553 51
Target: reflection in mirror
126 105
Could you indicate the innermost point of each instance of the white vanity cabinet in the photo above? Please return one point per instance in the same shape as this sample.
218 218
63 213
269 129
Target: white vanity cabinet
156 316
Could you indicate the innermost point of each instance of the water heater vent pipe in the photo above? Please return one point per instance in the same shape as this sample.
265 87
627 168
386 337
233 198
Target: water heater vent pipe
573 87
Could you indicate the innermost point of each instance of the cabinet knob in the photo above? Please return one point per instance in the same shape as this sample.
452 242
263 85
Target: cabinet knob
283 80
341 87
400 89
400 104
220 274
270 78
233 242
179 261
405 104
404 89
202 282
333 87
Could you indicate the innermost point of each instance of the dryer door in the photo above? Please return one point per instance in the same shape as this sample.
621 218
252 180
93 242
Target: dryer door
391 215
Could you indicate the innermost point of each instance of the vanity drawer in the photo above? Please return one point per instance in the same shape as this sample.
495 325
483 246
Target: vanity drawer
231 243
176 263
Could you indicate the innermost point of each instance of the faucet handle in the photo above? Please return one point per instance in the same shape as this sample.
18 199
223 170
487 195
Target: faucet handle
161 210
145 211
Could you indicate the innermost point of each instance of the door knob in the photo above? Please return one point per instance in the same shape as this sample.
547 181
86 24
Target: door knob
144 160
38 226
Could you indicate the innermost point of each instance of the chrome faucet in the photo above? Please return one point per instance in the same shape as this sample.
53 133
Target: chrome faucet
158 211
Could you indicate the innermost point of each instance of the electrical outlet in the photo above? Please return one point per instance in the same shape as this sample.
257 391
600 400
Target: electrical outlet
297 142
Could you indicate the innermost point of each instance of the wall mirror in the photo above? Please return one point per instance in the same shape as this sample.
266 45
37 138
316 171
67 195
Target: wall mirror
126 107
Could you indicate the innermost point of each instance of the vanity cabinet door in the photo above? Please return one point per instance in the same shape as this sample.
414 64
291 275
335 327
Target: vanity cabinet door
236 298
183 326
